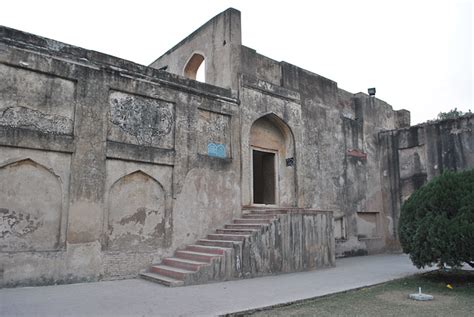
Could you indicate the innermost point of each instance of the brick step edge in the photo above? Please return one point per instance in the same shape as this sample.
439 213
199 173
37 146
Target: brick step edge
185 264
217 243
161 279
207 249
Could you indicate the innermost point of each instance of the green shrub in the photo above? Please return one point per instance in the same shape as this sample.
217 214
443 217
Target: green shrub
453 114
437 221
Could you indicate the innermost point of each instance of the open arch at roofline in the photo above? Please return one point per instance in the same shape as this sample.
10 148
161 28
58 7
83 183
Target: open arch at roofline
194 66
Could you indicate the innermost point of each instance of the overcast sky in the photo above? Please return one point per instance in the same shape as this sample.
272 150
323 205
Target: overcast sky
418 54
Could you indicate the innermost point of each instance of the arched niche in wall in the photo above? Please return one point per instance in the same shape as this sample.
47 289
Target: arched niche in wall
196 67
30 207
272 160
136 213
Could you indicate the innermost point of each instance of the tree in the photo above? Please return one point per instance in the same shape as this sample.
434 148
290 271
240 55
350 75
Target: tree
452 114
437 221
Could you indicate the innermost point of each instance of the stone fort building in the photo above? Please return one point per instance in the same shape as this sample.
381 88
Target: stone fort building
109 169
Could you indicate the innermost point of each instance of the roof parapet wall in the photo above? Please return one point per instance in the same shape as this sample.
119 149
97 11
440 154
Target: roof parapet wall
218 41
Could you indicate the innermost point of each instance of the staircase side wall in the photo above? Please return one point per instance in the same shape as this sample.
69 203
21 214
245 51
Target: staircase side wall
292 243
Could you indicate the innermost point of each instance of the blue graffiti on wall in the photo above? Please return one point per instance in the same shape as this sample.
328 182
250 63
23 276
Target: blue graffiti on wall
216 150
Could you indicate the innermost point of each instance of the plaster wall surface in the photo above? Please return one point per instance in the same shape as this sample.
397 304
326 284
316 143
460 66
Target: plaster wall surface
34 196
35 100
282 116
295 242
218 41
412 156
337 146
100 159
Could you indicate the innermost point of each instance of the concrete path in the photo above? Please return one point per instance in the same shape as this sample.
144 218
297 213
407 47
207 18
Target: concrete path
142 298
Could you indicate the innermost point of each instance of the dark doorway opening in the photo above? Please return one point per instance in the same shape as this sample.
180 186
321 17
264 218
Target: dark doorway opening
263 178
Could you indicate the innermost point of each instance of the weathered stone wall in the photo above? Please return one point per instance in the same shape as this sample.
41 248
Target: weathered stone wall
342 146
260 99
104 164
337 155
298 240
218 41
412 156
337 148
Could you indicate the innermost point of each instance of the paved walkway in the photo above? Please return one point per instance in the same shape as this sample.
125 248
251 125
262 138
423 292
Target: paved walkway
142 298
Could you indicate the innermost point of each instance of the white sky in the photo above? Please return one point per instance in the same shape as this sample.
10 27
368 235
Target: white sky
418 54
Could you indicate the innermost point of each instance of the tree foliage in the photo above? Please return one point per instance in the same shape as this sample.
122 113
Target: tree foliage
452 114
437 221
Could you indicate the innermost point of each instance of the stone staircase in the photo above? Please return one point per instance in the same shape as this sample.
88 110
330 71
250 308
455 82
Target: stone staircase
262 242
212 258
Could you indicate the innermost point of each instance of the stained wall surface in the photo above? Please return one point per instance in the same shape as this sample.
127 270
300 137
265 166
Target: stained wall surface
337 150
218 41
104 164
413 156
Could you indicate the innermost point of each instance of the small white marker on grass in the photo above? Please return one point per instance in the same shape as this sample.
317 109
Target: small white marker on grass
420 296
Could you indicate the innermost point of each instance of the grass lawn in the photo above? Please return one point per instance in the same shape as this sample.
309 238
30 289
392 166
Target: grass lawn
391 299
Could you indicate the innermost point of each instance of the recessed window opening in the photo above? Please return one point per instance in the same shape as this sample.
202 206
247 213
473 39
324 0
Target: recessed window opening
264 188
196 68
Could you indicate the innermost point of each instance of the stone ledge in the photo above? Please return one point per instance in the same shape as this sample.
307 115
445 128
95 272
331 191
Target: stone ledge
31 139
103 62
139 153
289 210
268 88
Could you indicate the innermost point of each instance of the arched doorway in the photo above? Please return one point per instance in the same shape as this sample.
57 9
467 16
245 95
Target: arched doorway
272 162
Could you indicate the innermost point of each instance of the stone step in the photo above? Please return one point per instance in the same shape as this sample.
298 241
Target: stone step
217 243
161 279
268 212
244 226
236 231
184 264
208 249
259 216
252 221
227 237
195 256
173 272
